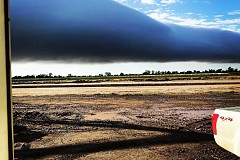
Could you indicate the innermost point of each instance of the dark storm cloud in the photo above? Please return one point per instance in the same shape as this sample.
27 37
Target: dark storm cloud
105 31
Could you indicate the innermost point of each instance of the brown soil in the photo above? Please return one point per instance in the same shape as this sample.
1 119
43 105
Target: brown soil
137 125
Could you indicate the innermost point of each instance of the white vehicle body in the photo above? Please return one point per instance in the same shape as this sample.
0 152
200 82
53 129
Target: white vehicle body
226 128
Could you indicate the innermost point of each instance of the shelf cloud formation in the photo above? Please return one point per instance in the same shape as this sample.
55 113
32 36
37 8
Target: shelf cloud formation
105 31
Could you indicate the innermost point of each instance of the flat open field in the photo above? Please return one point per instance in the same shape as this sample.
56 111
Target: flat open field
157 120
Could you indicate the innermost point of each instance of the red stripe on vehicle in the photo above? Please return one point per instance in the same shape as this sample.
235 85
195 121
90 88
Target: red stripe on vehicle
214 123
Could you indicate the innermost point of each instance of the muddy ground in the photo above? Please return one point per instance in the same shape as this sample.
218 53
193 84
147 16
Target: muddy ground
119 126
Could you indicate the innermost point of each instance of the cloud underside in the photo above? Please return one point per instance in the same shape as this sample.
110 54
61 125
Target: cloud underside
105 32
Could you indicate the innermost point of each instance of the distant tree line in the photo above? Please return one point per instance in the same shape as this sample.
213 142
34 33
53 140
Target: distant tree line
146 72
229 70
50 75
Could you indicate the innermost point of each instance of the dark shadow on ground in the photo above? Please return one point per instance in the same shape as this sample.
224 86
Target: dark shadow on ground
23 134
106 124
173 136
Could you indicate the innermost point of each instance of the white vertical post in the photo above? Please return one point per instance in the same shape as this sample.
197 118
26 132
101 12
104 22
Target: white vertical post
6 127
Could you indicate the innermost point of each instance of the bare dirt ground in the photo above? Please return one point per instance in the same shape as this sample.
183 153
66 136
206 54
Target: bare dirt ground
139 122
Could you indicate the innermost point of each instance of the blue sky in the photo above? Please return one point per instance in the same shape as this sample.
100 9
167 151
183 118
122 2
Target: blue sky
85 37
223 14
